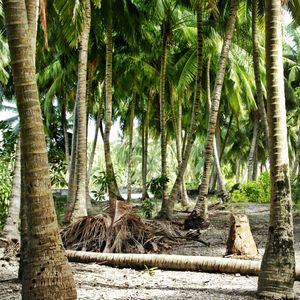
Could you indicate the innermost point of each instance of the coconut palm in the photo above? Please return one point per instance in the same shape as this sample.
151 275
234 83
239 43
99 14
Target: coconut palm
44 244
276 278
199 215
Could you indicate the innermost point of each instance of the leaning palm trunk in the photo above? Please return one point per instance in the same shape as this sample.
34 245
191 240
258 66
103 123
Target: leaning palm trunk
132 111
255 54
199 216
11 228
80 208
224 194
113 189
171 262
47 274
276 278
168 206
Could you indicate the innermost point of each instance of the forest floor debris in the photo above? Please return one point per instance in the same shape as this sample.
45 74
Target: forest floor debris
95 281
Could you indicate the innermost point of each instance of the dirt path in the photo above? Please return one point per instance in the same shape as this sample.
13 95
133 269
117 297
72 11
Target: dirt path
96 281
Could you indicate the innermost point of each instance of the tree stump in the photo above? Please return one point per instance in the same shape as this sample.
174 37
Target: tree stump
240 241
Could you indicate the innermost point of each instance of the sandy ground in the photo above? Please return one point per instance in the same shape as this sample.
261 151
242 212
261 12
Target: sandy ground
96 281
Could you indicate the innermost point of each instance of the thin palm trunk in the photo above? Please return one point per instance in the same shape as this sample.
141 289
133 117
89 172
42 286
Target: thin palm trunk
80 206
276 278
252 152
163 134
72 168
145 148
255 54
168 206
224 194
199 216
11 228
95 140
295 170
47 274
65 130
130 150
113 189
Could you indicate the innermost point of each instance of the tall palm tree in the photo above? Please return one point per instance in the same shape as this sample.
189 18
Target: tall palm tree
199 215
80 208
47 273
276 278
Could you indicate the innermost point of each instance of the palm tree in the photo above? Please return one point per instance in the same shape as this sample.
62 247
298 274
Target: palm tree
199 215
276 278
47 273
80 208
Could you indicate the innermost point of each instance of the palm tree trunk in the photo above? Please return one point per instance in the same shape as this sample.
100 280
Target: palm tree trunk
97 126
167 207
295 169
255 54
276 278
113 189
132 112
199 216
11 228
72 168
223 193
23 220
66 139
48 274
145 148
163 134
252 152
170 262
80 206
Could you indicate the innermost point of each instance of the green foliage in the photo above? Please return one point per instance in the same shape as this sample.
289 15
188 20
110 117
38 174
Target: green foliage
5 189
155 185
253 191
60 206
101 181
147 208
57 166
296 193
7 144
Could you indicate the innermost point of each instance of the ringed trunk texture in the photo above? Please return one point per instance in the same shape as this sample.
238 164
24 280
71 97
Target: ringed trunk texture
163 129
222 188
11 228
255 56
276 279
170 262
113 189
80 207
132 112
47 274
199 216
167 208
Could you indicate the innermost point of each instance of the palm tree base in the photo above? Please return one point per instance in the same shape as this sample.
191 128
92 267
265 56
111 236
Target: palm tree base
194 221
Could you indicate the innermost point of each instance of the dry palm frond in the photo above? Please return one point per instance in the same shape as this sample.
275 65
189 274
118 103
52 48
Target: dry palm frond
120 230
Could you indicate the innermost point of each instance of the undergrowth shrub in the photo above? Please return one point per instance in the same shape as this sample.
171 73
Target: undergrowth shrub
254 191
296 193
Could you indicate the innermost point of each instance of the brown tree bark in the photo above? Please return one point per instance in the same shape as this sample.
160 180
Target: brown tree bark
276 278
47 274
199 216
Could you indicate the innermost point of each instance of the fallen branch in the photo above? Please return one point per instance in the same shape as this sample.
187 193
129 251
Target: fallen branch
171 262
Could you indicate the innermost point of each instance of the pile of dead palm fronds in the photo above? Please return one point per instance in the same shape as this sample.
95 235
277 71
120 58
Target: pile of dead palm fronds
119 229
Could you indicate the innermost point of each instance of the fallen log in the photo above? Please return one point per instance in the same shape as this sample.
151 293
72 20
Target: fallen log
171 262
